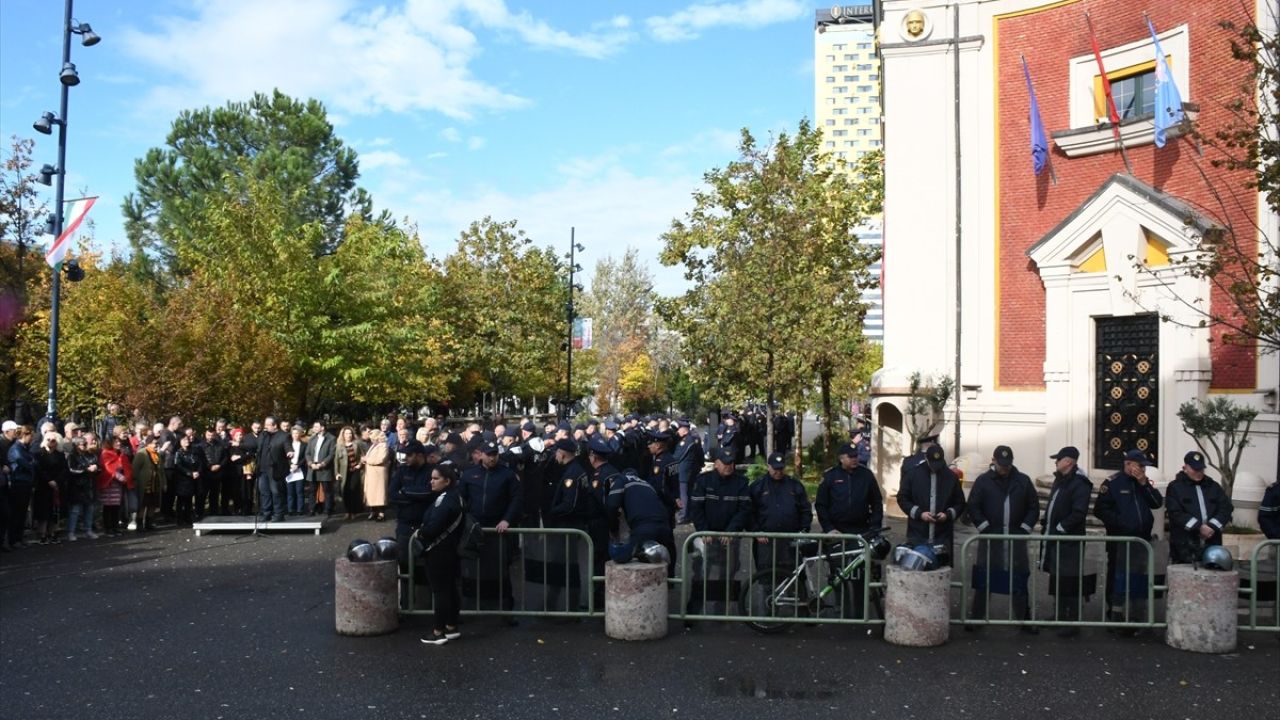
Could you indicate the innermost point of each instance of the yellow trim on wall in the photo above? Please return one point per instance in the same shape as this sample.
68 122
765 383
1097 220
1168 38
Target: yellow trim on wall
995 148
1097 262
1157 254
1100 98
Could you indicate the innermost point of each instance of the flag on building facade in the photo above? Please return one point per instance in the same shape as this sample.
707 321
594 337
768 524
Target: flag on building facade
1112 114
1039 141
1168 110
582 333
75 214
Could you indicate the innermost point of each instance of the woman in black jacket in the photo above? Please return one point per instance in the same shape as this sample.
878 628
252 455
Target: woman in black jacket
441 528
188 463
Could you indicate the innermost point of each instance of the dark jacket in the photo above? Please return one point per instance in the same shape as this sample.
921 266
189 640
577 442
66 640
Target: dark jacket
215 453
1269 511
321 446
186 464
22 466
148 476
720 503
573 501
849 501
931 490
780 505
492 495
1003 505
1191 505
1124 506
51 466
636 500
441 523
80 479
1065 514
272 459
665 478
410 491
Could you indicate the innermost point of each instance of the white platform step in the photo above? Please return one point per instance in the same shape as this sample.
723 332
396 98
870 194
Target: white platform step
240 523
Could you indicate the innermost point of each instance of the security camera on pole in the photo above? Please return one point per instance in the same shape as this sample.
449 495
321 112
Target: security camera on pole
58 227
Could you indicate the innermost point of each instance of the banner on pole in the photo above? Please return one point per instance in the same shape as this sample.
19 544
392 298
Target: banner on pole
582 334
75 214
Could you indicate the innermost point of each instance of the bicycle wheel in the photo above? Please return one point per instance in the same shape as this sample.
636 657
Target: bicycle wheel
762 601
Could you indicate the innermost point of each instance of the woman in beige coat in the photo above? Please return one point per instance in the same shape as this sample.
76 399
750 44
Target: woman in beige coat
377 470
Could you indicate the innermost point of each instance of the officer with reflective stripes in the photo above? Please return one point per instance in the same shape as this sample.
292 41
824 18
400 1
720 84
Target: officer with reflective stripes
1124 506
1002 502
719 501
849 499
633 499
663 472
780 504
1197 509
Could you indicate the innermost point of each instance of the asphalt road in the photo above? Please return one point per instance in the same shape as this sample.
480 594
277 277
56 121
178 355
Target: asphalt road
224 626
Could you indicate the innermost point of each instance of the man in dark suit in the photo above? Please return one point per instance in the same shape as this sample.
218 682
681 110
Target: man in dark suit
273 465
320 467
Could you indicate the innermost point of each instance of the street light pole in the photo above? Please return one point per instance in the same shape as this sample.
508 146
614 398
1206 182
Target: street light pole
570 316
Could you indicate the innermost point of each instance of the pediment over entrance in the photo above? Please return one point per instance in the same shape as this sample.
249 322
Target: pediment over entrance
1124 220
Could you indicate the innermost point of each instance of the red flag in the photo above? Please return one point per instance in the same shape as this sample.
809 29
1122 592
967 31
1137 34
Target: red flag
1102 70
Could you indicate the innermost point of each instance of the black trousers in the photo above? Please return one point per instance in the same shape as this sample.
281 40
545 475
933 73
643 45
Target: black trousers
19 497
442 574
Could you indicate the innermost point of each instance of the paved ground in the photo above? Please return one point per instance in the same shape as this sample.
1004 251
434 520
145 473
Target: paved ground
173 626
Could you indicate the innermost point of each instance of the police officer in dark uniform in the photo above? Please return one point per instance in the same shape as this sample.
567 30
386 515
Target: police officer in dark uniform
1124 506
1065 515
602 473
1003 502
632 498
719 501
1269 511
849 502
731 437
493 496
664 473
917 458
779 504
933 500
575 504
688 455
1198 509
410 492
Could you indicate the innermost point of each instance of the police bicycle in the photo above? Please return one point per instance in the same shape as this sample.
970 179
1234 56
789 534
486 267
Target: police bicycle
827 581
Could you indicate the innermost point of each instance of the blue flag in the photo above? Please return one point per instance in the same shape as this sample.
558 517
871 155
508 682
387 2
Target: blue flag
1168 110
1039 142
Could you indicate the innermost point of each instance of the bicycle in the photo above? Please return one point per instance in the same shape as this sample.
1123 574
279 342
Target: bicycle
798 593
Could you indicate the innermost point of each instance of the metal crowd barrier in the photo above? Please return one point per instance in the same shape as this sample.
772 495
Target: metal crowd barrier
766 579
555 576
1263 588
995 566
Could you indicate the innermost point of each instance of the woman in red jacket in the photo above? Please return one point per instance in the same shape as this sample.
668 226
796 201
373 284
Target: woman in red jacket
114 477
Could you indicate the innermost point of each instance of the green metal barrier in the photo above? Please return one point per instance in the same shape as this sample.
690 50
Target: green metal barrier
1072 612
787 578
1258 584
537 559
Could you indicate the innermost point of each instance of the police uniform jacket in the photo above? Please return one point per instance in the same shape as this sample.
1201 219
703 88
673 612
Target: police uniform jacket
410 492
1191 505
636 500
1003 505
849 501
1124 506
732 439
1269 512
574 502
780 505
720 503
1065 515
492 495
664 477
930 490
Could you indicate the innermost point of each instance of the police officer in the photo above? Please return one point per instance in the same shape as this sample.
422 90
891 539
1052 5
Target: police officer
917 458
575 504
779 504
718 501
1269 511
663 472
493 496
731 436
1002 502
1124 506
632 498
688 457
849 499
1198 509
932 499
410 492
1065 515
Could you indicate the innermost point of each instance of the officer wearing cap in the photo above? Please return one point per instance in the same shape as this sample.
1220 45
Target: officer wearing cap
574 504
932 499
849 499
779 504
688 455
1124 506
663 472
1065 515
1197 508
730 434
492 494
1002 502
632 498
410 491
719 501
917 458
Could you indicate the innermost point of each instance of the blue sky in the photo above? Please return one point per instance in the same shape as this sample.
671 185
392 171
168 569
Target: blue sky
600 115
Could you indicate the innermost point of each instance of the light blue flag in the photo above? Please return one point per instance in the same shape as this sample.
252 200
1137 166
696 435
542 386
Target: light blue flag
1168 110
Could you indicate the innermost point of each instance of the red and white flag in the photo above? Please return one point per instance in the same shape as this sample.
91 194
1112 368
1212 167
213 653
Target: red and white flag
58 250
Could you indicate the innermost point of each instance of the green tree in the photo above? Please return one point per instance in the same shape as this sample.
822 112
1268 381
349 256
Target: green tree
21 211
777 271
621 304
1220 428
213 153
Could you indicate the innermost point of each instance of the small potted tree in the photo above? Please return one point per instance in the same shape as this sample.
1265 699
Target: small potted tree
1220 428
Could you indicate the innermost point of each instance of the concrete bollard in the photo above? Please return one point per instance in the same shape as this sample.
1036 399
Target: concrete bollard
635 601
917 606
1201 609
366 599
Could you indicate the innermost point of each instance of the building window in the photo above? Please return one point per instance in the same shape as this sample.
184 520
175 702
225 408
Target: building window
874 121
838 46
864 88
1135 94
849 143
865 66
851 121
840 111
831 143
875 143
840 89
851 78
840 133
830 123
864 46
864 132
831 101
864 111
831 58
849 56
873 77
831 78
840 68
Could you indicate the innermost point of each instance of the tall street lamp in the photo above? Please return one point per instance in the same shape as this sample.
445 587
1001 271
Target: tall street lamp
570 316
67 77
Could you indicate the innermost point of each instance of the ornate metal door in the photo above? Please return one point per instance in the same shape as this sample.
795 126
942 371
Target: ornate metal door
1127 404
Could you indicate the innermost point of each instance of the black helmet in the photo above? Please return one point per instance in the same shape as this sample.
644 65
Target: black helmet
880 547
655 552
387 548
1216 557
357 541
364 551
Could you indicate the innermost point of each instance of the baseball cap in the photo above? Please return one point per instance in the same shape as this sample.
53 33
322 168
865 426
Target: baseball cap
777 462
726 455
1136 456
8 425
1003 456
935 456
1066 452
489 448
528 426
567 445
849 449
1194 460
661 436
600 446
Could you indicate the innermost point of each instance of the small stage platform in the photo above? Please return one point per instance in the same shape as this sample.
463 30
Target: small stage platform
246 524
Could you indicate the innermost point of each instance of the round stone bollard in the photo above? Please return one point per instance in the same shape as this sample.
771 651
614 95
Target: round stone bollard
366 600
917 606
1200 609
635 601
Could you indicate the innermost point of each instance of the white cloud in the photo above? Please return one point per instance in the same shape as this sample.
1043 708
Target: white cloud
688 23
451 134
407 56
475 142
382 158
